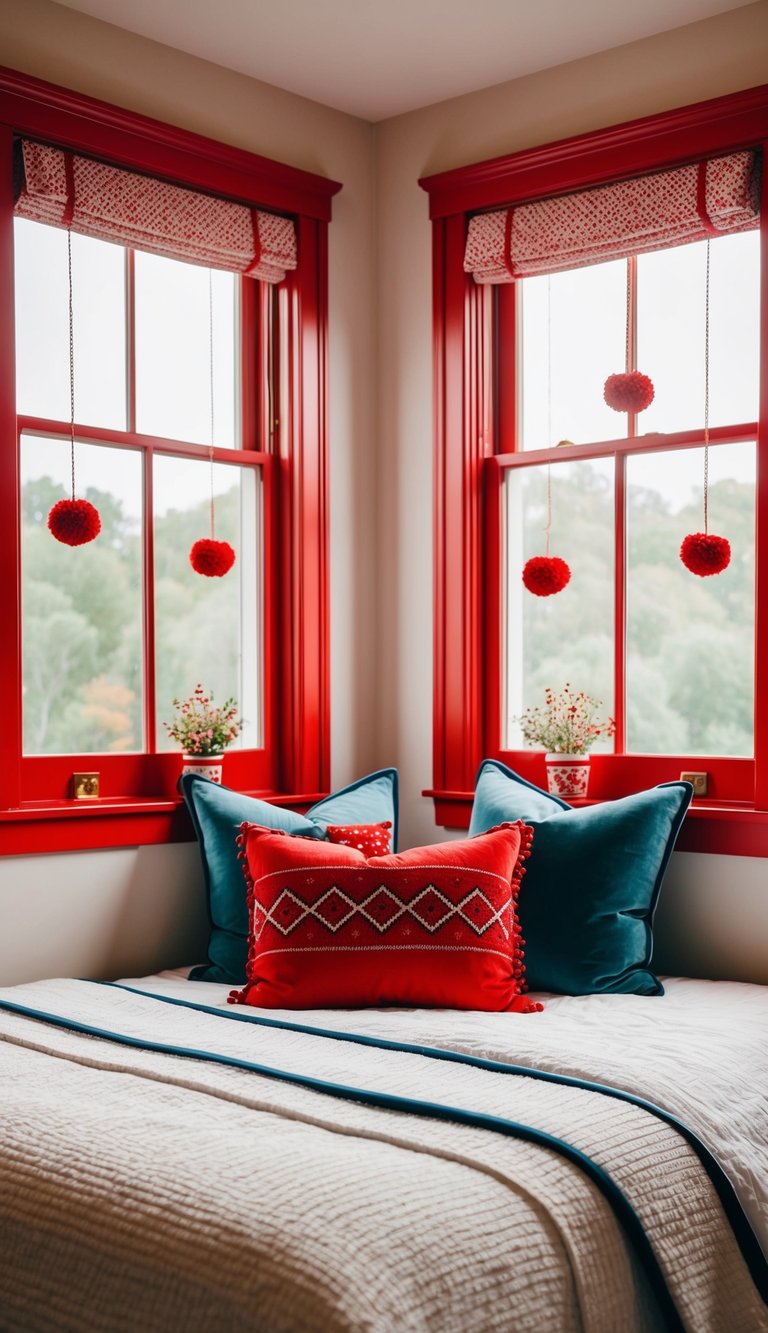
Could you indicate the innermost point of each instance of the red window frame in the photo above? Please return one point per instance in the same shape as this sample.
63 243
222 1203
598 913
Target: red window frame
285 431
472 439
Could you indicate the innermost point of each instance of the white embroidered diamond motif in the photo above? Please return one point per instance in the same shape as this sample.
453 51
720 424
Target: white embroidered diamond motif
381 909
480 914
334 908
431 908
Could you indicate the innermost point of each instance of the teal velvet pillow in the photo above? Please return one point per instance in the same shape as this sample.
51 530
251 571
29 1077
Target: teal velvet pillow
217 813
592 881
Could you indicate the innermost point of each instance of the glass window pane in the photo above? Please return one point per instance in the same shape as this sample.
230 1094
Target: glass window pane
566 638
81 606
573 337
42 326
690 640
173 378
671 304
207 630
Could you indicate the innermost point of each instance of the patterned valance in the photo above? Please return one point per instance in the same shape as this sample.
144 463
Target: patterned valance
628 217
143 213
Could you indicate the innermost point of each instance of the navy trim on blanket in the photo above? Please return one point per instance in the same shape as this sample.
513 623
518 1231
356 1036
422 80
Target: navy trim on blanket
747 1241
622 1208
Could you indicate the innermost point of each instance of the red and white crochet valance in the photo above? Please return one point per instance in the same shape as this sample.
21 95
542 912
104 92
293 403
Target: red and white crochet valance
143 213
626 218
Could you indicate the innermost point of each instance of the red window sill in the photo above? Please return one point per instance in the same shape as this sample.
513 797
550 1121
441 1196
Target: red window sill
723 827
65 826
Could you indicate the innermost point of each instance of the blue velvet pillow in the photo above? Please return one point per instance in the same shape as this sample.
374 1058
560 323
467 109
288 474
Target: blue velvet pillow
591 883
217 813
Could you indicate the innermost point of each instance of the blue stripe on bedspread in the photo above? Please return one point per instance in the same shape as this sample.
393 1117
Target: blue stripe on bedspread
740 1224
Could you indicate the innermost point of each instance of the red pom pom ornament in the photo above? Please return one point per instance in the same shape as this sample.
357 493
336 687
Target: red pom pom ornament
211 558
544 575
704 553
629 392
74 522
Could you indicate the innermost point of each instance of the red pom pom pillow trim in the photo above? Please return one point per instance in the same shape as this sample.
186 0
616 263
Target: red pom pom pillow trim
434 926
370 839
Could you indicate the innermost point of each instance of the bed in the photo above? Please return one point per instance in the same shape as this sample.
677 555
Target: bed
171 1161
440 1090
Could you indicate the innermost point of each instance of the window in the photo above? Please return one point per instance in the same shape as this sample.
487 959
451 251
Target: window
144 321
196 388
678 675
523 434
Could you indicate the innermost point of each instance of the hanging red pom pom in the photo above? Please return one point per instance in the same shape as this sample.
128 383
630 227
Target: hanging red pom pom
74 522
544 575
211 558
629 392
704 553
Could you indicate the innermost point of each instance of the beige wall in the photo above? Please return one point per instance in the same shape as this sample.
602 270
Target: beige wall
381 435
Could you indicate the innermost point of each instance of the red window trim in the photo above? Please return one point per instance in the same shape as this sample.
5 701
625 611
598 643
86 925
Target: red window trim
296 755
466 525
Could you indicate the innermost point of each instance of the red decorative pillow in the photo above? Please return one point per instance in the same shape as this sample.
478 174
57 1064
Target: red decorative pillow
370 839
330 927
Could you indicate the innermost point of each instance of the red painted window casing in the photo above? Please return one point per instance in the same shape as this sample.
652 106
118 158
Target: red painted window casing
138 800
472 436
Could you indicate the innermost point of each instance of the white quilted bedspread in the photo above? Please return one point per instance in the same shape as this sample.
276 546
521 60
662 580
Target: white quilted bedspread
143 1191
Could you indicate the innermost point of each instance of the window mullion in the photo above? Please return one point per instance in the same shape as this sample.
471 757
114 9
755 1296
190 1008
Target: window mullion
761 571
631 351
130 339
619 614
148 638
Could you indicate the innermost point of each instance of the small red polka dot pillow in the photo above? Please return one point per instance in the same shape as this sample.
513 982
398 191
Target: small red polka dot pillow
334 927
370 839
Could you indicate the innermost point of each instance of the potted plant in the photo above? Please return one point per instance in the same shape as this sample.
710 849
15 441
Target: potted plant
567 726
203 729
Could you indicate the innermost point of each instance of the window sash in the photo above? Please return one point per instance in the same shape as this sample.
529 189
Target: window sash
621 771
150 769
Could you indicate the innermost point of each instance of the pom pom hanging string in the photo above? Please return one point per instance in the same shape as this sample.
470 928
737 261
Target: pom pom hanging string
704 553
209 557
544 575
73 522
630 391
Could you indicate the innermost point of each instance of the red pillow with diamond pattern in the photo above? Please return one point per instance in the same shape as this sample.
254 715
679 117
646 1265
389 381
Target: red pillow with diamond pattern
370 839
435 926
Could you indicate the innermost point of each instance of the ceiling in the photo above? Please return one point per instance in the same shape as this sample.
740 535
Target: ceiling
379 58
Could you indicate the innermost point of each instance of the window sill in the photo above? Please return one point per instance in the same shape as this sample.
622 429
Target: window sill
85 825
726 828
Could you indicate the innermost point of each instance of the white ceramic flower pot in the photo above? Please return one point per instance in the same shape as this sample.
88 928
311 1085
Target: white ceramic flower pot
567 775
205 765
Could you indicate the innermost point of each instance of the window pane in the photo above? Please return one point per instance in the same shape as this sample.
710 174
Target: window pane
42 326
207 630
690 640
573 337
566 638
173 378
81 606
671 303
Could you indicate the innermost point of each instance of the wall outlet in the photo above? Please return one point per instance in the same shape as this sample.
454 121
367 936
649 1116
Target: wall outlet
697 780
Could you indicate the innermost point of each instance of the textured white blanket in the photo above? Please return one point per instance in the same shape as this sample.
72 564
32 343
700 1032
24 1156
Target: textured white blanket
142 1190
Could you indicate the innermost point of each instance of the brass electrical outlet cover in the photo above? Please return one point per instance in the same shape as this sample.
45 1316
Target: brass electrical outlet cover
697 780
85 786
